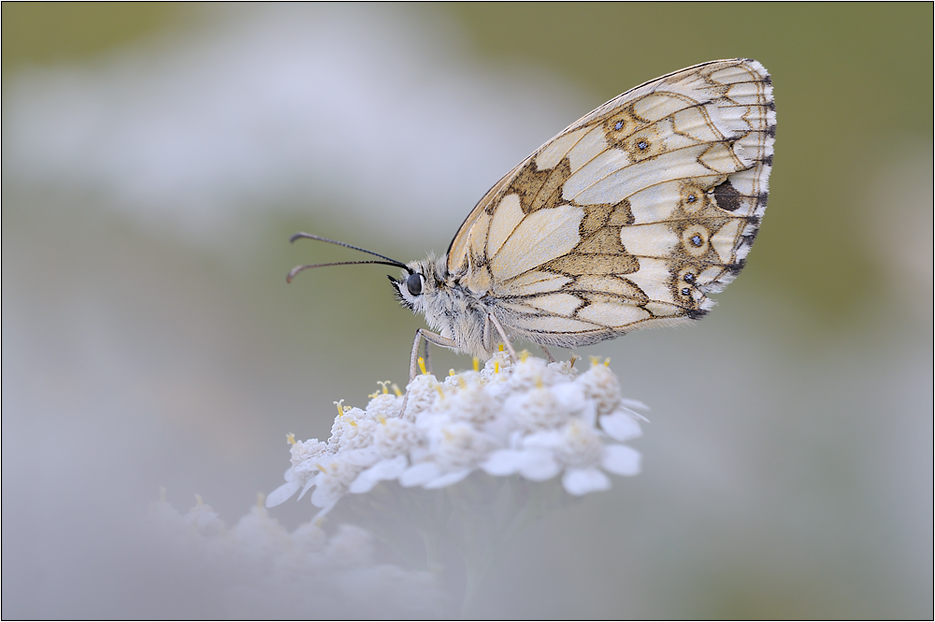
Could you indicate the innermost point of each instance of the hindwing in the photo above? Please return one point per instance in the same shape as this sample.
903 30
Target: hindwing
632 215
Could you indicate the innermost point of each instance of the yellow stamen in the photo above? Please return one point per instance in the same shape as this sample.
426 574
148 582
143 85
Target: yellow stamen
501 347
340 409
574 359
524 355
381 419
451 372
396 390
374 394
290 438
438 388
352 422
496 367
321 468
594 360
607 362
383 384
476 364
422 366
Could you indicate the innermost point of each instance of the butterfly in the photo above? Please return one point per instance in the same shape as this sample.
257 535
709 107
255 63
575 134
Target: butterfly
629 218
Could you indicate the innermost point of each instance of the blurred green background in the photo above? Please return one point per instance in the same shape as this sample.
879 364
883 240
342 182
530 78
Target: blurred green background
156 157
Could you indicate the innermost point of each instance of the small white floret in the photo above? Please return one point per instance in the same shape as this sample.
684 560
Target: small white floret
388 469
582 481
621 426
621 460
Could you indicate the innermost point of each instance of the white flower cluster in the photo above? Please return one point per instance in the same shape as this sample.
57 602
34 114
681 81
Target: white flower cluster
532 418
298 572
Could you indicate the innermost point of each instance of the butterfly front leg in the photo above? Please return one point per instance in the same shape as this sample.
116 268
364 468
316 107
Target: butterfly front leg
429 337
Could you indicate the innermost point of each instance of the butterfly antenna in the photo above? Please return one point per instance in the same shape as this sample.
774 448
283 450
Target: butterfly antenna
387 260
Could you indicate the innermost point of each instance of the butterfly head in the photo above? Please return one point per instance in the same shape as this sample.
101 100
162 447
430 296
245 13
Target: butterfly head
420 283
458 316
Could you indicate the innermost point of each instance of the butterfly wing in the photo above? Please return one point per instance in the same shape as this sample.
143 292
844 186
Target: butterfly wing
632 215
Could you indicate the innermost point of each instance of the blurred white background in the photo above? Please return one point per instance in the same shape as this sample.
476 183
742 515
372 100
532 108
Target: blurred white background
149 337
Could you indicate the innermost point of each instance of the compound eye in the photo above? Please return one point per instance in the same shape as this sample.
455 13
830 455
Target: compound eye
414 284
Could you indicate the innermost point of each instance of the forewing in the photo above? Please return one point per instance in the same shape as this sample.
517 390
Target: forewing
633 214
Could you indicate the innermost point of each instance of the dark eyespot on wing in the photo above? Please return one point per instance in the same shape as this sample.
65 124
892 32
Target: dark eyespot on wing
727 197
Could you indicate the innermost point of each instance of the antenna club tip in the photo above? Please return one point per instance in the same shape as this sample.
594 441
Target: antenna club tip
294 272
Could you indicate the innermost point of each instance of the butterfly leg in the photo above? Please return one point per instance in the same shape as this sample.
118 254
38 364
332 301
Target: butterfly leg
506 341
429 336
427 356
548 354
